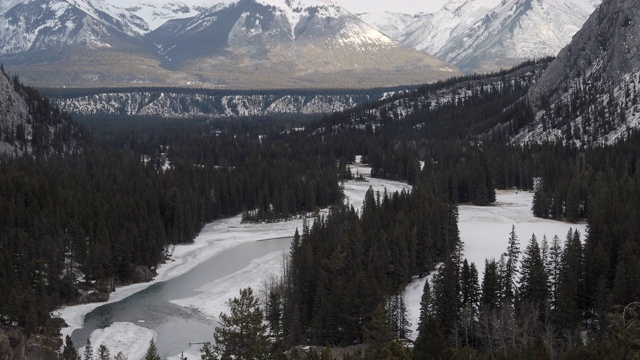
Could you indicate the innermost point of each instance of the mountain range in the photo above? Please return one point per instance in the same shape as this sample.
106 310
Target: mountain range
235 44
273 43
488 35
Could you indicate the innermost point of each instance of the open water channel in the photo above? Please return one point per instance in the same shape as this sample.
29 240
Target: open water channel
177 326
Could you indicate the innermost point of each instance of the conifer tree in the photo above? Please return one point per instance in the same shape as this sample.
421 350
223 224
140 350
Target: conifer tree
430 343
554 269
510 272
103 353
88 350
152 352
69 351
491 287
533 290
242 334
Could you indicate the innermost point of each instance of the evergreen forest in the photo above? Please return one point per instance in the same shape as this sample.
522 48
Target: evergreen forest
107 211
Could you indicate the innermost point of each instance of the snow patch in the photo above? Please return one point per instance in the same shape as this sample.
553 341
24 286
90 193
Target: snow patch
130 339
484 230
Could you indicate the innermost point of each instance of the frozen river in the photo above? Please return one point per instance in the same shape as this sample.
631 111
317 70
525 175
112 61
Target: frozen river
181 305
155 308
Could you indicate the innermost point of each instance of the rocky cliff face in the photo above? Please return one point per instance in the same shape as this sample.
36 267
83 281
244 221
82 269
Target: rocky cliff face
590 93
15 122
606 49
30 125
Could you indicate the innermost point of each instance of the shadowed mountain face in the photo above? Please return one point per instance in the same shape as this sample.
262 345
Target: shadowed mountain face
244 44
606 48
591 92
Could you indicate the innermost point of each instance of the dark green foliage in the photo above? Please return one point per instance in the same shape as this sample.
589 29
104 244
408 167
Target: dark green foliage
102 213
88 350
103 353
345 267
69 351
152 352
241 334
533 290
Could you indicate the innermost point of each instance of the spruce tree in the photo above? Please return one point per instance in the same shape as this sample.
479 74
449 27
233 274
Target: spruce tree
533 290
510 274
152 352
103 353
88 350
242 334
69 351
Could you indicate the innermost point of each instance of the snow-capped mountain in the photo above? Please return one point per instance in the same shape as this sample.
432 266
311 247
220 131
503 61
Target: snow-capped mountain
309 42
392 24
514 31
157 12
486 35
430 33
52 25
233 43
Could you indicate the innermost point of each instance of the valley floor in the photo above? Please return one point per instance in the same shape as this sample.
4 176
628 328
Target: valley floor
484 231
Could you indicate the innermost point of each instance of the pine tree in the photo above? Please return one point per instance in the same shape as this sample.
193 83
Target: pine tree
491 289
554 269
510 274
120 356
378 332
69 351
242 334
103 353
470 300
568 314
206 352
88 350
533 290
152 352
430 343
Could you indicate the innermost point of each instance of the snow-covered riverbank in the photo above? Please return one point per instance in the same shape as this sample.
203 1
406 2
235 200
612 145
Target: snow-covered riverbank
214 239
485 230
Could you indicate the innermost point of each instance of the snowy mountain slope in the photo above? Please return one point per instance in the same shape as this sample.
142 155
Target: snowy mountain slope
431 33
514 31
591 92
51 25
180 105
486 35
156 12
234 43
390 23
308 42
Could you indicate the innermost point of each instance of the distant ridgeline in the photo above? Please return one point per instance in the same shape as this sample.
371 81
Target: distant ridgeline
189 103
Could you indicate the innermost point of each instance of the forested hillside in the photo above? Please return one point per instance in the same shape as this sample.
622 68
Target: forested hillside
79 221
